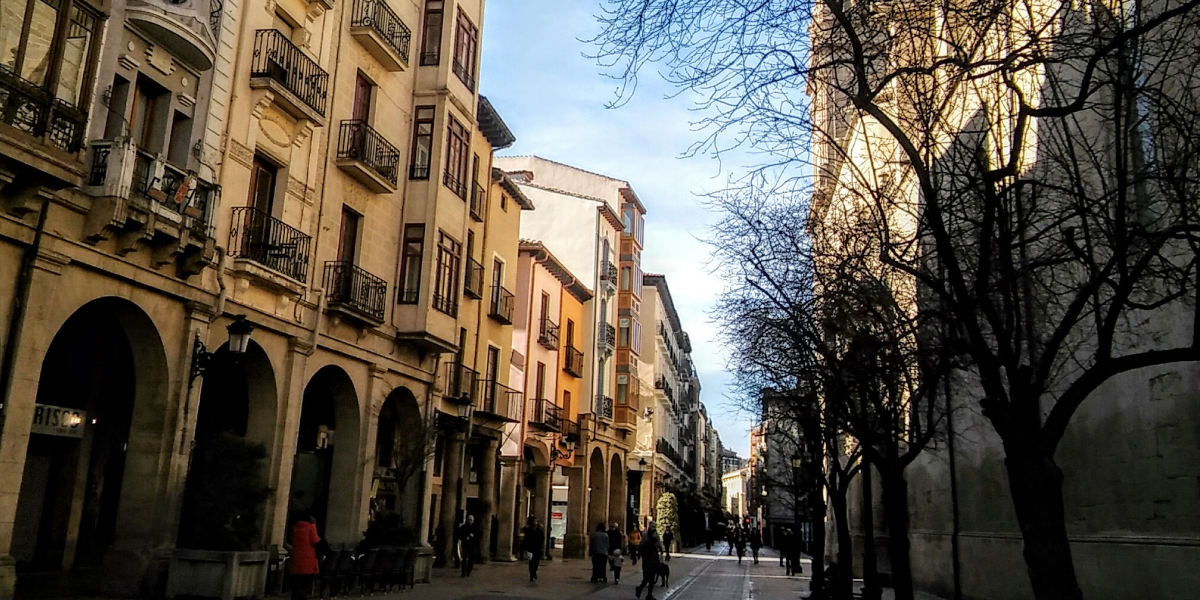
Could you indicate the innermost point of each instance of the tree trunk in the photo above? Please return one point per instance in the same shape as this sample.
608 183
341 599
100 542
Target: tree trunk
895 506
817 549
871 590
1035 482
843 584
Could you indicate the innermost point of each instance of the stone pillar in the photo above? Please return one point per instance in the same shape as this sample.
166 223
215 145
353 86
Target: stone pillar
487 497
540 506
597 498
287 431
509 472
575 546
451 479
617 502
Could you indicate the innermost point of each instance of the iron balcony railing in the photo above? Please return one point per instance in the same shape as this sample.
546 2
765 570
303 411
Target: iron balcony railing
460 384
570 430
276 57
418 172
608 338
548 334
451 181
573 361
499 400
663 447
214 17
503 302
377 15
357 140
349 286
431 59
608 272
446 304
478 201
464 75
34 110
545 414
269 242
604 407
473 279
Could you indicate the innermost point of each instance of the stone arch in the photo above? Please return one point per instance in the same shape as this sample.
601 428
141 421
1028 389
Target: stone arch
616 491
107 366
403 443
326 472
597 490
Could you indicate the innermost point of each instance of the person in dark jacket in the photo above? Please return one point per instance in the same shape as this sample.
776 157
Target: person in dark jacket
785 538
303 563
533 542
599 550
648 550
668 538
468 539
755 543
616 539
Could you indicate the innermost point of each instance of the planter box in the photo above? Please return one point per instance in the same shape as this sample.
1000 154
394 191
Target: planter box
423 569
213 574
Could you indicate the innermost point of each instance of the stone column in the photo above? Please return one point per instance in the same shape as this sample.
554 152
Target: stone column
487 497
451 475
509 472
287 430
597 499
540 506
575 545
617 501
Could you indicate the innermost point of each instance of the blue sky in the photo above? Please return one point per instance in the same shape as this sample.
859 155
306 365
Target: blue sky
552 97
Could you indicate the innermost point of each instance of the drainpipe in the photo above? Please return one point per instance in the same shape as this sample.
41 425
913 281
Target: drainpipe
223 287
19 308
955 555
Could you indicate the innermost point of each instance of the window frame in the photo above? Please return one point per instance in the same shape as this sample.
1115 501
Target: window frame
449 265
433 9
458 147
423 115
412 257
466 49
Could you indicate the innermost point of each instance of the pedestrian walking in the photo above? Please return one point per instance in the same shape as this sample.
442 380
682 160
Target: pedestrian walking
731 539
708 538
668 539
303 563
615 561
599 551
741 545
635 539
648 550
532 543
755 543
793 555
785 537
468 540
616 539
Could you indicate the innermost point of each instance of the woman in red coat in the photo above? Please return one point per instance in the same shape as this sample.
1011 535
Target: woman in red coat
303 563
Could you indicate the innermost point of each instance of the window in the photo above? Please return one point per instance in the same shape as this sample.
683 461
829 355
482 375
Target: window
363 90
497 278
544 313
181 137
570 339
445 296
466 42
262 185
636 337
540 382
348 236
431 38
624 333
504 202
622 389
566 402
456 158
148 115
410 264
284 25
626 276
422 143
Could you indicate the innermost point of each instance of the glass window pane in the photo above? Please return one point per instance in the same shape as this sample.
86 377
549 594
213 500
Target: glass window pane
12 19
40 43
76 50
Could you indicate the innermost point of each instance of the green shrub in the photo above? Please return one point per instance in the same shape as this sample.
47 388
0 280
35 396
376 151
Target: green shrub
224 496
666 513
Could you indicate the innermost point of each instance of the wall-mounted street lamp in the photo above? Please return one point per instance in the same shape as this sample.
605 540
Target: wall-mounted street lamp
239 341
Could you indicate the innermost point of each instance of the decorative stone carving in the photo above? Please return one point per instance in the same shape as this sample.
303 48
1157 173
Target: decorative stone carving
160 59
240 153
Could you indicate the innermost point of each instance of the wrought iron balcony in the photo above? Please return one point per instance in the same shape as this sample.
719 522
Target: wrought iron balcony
608 272
478 201
381 32
460 384
431 59
573 361
570 430
548 334
473 279
498 400
604 407
278 64
503 302
259 237
545 414
464 75
608 339
367 156
458 187
32 109
352 290
418 172
446 304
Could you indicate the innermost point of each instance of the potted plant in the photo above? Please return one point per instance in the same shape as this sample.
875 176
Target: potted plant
666 512
218 554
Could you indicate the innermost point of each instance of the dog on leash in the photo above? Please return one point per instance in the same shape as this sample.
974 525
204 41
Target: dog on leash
663 573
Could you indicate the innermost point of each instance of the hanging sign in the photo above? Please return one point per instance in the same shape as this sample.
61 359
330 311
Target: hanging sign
56 420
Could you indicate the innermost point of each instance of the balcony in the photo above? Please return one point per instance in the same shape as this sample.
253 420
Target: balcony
458 187
663 447
608 339
570 430
548 334
464 75
478 201
431 59
254 235
473 279
573 361
187 28
604 407
354 292
445 304
375 25
502 305
367 156
626 416
32 109
498 400
460 384
299 84
545 415
608 274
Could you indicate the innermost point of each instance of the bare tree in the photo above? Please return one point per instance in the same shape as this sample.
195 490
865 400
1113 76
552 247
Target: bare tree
1034 163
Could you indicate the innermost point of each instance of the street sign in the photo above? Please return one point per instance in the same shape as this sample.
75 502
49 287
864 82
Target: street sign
56 420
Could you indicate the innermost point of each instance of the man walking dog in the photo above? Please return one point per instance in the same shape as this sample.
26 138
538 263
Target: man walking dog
651 563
